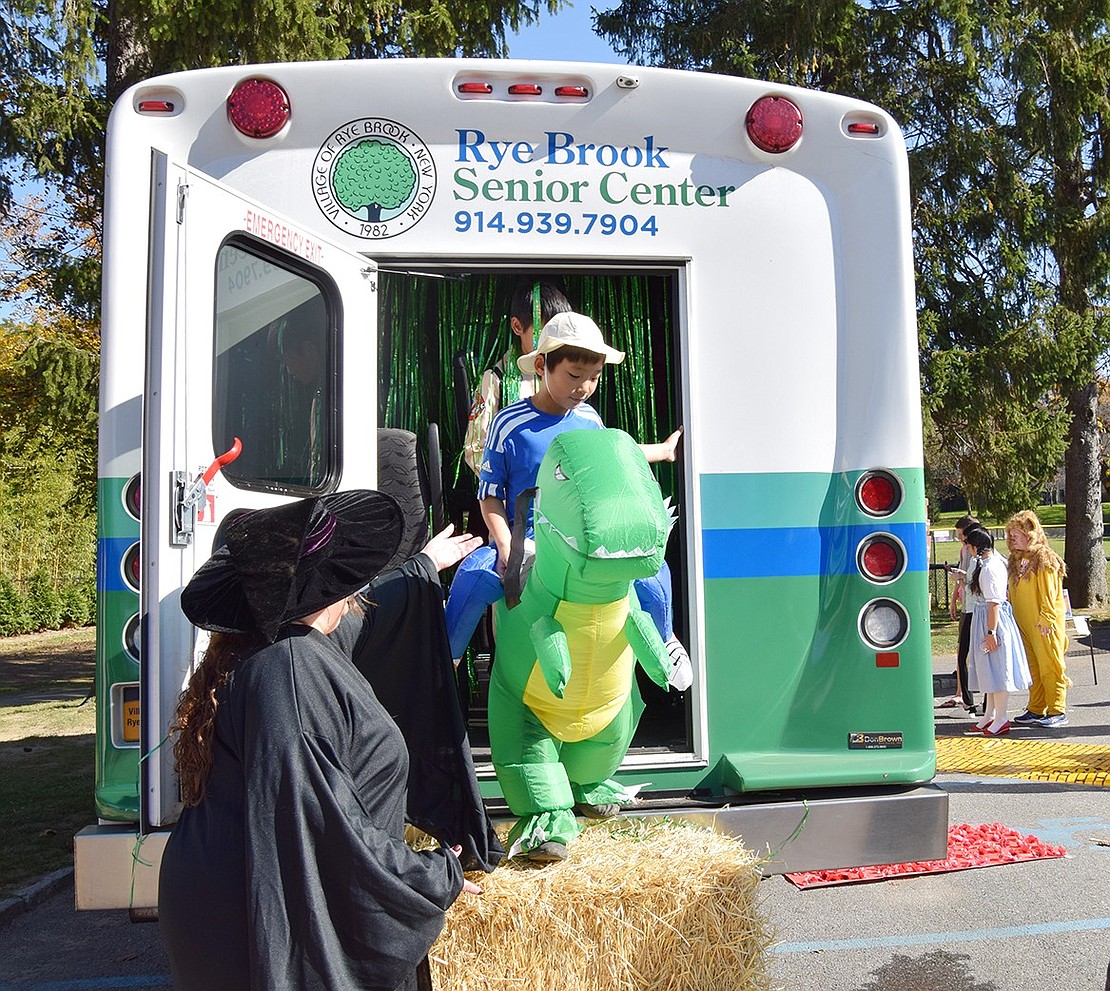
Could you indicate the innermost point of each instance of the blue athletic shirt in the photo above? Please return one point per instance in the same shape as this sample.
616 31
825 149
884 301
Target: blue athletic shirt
518 439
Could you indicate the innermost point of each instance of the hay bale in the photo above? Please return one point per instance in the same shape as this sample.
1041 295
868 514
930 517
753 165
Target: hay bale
640 903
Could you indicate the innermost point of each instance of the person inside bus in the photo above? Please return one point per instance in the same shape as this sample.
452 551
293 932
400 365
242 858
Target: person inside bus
300 338
998 665
960 607
568 360
532 304
287 867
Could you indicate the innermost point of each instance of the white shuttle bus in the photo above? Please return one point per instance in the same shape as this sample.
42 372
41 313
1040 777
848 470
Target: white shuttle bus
747 244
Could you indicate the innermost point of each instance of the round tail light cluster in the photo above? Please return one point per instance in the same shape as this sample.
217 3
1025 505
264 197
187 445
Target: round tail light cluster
881 557
878 493
132 567
883 624
774 124
258 108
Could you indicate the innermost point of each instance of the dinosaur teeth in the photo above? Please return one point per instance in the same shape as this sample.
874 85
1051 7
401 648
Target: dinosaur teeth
604 552
599 552
568 539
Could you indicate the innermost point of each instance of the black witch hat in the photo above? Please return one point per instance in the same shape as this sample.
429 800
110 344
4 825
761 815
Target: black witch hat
282 563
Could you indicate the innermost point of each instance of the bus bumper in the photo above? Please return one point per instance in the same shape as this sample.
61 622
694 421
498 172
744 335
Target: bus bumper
832 827
116 867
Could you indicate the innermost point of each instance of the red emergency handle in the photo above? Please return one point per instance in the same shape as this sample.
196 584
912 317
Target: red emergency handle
224 459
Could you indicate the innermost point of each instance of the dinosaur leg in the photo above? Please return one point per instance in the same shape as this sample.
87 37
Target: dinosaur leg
526 759
655 597
474 587
591 763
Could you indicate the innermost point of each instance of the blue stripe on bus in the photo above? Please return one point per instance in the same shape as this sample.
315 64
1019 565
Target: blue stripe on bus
109 554
794 552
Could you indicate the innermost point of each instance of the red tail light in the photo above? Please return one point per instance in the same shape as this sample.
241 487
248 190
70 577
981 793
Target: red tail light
525 89
258 108
878 493
881 558
774 124
132 567
132 496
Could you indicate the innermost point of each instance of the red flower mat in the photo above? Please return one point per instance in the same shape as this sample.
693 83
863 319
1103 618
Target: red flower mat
968 846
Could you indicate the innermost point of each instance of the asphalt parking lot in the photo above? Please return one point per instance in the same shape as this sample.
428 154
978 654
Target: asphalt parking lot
1043 924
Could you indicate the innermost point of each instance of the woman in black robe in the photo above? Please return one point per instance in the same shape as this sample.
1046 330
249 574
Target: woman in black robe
287 868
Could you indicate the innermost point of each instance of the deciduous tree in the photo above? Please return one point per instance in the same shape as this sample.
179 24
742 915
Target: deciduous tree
63 63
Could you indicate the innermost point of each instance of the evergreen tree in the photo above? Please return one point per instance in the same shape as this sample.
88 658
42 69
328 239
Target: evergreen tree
1003 104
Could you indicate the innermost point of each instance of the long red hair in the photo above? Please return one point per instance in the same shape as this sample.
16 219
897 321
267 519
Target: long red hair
194 722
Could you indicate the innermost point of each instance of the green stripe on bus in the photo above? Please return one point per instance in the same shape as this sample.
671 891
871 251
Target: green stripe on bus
803 499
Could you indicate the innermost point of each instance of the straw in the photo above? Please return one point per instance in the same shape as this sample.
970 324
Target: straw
639 903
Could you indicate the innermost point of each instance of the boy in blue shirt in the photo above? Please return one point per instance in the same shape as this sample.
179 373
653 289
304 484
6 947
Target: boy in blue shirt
569 360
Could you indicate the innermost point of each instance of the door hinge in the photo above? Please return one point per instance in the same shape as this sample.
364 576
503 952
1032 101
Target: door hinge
182 194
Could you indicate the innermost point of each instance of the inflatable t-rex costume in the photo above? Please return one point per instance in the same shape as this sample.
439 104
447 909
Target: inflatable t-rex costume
563 701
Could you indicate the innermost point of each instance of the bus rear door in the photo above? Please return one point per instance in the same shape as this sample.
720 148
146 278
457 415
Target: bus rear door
261 346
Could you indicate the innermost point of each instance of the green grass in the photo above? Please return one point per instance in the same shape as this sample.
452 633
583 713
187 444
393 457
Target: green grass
945 633
1048 515
46 786
47 753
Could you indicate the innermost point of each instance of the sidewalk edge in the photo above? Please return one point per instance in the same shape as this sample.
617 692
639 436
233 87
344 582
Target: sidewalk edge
23 900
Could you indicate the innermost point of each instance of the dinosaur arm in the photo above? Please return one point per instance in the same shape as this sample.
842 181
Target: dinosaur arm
553 653
646 644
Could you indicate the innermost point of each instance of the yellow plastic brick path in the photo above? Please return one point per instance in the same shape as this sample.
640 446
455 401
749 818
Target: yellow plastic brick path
1035 760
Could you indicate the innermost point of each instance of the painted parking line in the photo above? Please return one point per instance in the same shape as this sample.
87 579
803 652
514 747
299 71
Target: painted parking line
965 936
97 984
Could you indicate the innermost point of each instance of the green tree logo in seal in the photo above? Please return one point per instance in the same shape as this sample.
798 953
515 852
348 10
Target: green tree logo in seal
373 178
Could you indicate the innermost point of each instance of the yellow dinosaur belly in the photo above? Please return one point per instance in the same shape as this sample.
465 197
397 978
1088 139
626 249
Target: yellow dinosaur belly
600 674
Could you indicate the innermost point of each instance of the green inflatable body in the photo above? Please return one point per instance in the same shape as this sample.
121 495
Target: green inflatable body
563 701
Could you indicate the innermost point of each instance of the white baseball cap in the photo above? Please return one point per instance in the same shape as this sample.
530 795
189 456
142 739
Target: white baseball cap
569 329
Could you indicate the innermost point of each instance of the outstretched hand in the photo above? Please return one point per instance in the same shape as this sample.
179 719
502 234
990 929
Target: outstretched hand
669 447
469 887
445 550
664 450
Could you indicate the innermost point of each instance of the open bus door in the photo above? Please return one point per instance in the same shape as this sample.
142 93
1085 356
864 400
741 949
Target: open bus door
261 342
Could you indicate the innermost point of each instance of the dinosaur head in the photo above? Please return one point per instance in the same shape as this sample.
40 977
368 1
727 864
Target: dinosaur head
599 507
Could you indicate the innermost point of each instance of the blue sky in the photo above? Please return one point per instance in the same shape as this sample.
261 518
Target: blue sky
566 36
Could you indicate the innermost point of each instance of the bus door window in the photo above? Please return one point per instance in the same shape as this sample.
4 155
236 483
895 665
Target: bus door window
275 374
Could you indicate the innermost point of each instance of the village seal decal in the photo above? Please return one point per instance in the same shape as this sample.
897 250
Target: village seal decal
373 178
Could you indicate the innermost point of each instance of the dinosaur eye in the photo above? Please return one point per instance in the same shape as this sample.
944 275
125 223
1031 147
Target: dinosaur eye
559 476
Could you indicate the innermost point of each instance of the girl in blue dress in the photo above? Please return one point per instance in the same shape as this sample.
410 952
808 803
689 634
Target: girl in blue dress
998 664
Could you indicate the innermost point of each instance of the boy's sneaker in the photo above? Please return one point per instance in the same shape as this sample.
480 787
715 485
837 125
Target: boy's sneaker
548 852
1027 718
1050 722
682 671
604 811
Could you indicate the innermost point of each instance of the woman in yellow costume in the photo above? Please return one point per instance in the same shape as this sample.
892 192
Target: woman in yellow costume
1037 597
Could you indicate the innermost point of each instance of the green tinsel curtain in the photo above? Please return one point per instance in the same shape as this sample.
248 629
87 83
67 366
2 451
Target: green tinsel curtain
425 322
